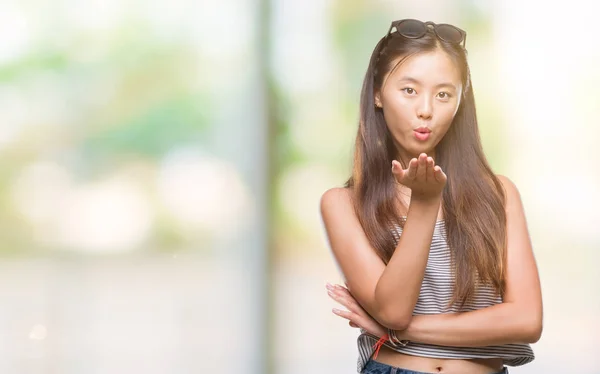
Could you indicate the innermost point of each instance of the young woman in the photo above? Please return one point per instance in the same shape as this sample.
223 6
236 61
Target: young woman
433 246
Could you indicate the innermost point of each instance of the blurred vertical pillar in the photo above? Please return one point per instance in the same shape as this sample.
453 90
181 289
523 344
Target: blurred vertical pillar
242 135
264 181
265 270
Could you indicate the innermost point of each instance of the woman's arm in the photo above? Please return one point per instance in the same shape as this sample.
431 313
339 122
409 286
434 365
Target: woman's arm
499 324
400 284
517 320
371 281
388 293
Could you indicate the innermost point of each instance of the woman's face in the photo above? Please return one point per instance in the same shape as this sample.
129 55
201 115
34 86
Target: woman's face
419 100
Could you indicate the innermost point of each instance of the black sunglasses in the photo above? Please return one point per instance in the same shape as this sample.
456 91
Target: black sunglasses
415 29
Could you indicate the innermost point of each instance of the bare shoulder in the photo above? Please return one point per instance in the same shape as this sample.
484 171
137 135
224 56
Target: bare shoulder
512 192
336 198
508 184
515 214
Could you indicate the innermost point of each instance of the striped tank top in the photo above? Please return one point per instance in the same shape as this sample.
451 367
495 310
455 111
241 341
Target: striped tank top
436 292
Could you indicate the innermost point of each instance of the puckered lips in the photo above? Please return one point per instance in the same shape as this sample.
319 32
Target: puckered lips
422 133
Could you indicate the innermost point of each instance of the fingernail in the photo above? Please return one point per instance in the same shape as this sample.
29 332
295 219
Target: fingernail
335 310
329 286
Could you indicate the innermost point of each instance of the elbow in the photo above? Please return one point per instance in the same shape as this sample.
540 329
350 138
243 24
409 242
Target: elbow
395 321
533 331
393 315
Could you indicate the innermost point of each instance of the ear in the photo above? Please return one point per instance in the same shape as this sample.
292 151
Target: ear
378 100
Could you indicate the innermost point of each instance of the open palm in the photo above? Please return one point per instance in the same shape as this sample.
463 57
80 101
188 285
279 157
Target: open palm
423 177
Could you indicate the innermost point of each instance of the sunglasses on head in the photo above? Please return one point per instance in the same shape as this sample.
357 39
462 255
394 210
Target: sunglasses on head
415 29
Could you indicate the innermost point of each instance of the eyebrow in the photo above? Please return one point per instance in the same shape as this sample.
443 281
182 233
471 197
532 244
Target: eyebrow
416 81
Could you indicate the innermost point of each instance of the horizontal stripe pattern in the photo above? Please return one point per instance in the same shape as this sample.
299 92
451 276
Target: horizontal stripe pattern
435 295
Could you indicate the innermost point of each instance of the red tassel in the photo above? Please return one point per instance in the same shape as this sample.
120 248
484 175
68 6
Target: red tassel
379 343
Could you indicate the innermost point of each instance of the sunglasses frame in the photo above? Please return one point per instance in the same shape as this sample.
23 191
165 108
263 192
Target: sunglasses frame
426 25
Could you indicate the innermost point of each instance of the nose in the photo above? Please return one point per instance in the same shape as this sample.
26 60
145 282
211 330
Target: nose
424 108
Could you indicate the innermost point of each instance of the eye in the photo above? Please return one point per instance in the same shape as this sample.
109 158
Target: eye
444 95
409 90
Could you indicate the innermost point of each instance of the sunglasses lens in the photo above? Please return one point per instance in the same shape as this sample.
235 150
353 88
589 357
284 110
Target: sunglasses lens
449 33
412 28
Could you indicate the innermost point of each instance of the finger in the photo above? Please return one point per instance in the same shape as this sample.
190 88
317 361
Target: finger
422 167
340 299
439 175
346 294
351 317
344 314
397 170
412 169
344 297
430 166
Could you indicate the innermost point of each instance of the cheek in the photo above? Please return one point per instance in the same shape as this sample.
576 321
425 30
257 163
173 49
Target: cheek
446 115
398 114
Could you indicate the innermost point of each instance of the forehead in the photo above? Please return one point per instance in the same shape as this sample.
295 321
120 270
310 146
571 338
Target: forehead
428 67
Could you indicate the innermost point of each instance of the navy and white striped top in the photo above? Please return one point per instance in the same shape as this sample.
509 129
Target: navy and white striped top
436 292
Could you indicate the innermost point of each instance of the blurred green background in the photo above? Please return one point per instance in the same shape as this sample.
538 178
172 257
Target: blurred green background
161 165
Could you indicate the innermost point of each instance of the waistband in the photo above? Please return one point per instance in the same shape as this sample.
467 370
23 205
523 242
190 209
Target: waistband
376 367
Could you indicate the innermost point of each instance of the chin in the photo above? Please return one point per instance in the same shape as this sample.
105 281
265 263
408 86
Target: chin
414 148
416 151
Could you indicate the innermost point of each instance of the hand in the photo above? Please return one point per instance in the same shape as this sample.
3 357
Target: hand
355 314
425 179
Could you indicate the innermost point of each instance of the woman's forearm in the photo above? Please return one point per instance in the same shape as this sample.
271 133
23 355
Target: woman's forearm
495 325
399 286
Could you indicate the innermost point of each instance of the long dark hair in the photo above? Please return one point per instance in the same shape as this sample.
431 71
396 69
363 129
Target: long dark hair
473 199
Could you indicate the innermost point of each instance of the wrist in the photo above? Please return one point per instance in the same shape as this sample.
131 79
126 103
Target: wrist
426 200
422 208
397 337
